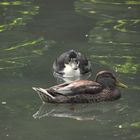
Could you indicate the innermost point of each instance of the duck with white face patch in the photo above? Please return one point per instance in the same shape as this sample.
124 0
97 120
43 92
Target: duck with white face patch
71 69
71 64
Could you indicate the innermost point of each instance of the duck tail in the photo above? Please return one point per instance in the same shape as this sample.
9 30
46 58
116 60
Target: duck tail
43 94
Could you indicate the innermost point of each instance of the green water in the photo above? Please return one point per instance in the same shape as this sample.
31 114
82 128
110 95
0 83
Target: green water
33 33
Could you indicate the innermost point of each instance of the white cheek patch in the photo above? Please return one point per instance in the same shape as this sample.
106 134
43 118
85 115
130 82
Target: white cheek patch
70 72
74 66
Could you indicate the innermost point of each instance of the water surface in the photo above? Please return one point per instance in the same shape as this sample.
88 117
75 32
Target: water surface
33 33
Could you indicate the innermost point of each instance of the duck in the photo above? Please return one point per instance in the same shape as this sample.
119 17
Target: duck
71 64
104 88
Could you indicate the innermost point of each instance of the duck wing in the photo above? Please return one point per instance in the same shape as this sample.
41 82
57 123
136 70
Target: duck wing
78 87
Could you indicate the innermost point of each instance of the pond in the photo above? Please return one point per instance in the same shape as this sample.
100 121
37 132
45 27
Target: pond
33 33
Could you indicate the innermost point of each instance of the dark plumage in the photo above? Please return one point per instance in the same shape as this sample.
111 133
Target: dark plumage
71 63
104 88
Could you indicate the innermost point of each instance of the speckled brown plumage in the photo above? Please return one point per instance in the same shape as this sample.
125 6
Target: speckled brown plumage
104 88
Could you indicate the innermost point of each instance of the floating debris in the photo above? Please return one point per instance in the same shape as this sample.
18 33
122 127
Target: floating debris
3 103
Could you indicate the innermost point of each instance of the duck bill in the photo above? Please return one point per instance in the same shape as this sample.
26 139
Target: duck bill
119 84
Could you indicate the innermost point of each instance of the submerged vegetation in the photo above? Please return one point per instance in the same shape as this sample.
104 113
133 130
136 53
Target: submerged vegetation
22 47
117 26
12 17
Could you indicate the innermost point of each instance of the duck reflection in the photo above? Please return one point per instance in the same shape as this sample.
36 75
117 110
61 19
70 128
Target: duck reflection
79 112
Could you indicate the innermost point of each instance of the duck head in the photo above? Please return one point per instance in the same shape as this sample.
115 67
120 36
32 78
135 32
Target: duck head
71 60
108 79
72 64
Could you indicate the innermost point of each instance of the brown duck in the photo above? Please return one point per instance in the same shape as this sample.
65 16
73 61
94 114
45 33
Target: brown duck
104 88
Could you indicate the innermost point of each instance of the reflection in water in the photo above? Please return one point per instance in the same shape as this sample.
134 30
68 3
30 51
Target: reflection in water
64 111
77 111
